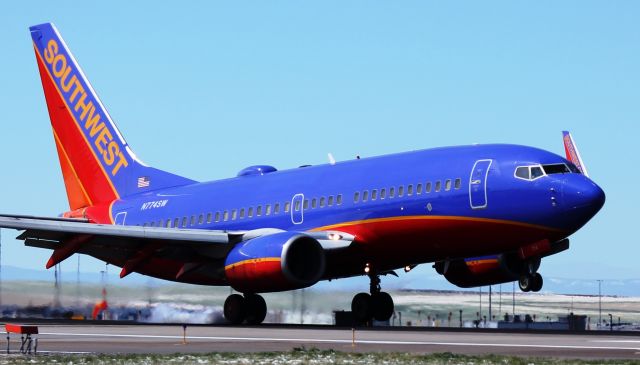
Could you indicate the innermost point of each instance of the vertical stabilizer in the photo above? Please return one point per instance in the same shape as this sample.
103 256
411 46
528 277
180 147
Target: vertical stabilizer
573 155
97 164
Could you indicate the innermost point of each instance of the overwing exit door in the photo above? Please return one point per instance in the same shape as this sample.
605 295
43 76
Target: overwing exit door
297 209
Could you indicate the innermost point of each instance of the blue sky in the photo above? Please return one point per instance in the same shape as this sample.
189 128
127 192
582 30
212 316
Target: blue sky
204 89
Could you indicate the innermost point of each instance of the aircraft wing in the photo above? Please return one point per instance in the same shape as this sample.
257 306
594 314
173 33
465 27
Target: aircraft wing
131 245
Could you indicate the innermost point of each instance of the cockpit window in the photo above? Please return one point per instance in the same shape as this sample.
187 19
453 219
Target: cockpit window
523 172
558 168
535 171
573 168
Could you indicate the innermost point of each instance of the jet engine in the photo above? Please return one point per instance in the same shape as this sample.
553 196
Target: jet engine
488 270
275 262
521 265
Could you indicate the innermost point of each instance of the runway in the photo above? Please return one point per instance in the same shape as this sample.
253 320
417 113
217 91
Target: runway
165 339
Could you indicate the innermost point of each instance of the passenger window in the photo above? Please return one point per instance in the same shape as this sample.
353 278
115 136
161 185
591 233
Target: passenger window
374 194
201 219
330 201
339 199
447 185
276 208
176 223
225 216
365 195
193 220
241 213
168 224
306 204
400 191
159 223
356 197
184 222
297 206
234 215
536 171
267 209
250 212
259 209
458 183
419 189
427 187
438 185
208 217
410 190
322 202
383 192
217 216
287 207
314 203
523 172
391 193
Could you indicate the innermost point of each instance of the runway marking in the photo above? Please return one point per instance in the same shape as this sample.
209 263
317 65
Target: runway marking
346 341
49 352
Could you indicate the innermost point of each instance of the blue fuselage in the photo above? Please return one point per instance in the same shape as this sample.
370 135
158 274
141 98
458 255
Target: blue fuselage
405 208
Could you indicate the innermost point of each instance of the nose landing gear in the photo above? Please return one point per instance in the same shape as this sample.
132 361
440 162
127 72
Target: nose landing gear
530 282
378 305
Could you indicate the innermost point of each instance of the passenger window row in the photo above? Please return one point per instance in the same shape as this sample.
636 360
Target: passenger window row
242 213
399 192
321 202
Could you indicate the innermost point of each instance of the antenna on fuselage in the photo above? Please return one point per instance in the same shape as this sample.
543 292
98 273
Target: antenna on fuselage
332 160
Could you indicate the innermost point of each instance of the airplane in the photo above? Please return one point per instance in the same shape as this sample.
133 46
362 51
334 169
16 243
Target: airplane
481 214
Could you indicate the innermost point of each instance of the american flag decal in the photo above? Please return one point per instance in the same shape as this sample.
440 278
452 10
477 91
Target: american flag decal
143 181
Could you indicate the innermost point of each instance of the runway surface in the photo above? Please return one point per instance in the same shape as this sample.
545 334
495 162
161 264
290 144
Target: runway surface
168 339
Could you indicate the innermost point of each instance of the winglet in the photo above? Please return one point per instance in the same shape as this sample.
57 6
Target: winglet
573 155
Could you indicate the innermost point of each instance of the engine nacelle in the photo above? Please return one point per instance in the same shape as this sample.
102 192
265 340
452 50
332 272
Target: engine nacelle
275 262
488 270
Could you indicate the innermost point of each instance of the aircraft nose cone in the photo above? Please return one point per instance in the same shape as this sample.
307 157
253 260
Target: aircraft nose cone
583 199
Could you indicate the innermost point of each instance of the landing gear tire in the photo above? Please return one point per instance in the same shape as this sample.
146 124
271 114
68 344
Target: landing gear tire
537 282
530 282
382 306
255 308
362 307
525 283
234 308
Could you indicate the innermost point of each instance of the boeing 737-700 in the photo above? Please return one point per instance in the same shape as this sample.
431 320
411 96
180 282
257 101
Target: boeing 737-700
481 214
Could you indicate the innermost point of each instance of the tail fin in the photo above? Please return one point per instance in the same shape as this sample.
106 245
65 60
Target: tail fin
573 155
97 164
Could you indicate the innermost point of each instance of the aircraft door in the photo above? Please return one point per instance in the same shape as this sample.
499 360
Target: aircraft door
478 184
297 209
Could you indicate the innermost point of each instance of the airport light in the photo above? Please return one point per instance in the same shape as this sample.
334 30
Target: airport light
367 268
599 303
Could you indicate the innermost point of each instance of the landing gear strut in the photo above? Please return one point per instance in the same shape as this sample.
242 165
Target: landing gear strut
250 308
378 305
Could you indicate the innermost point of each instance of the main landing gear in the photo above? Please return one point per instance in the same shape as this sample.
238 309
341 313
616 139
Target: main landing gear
378 305
250 308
